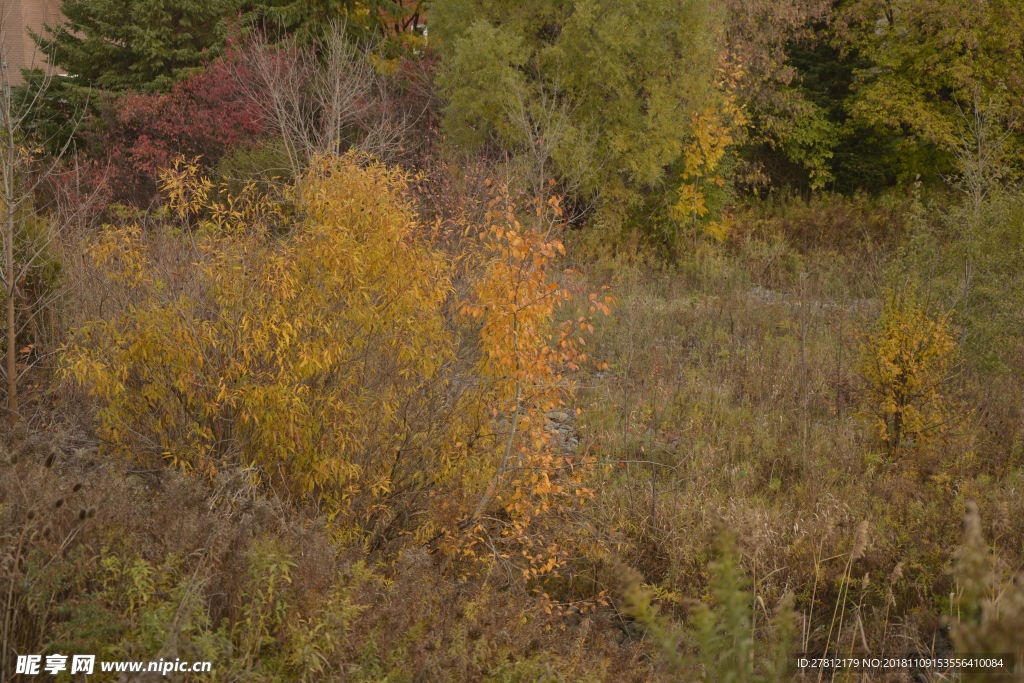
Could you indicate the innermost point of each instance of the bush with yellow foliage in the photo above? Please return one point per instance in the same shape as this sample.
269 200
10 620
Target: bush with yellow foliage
905 361
311 358
332 358
525 362
715 130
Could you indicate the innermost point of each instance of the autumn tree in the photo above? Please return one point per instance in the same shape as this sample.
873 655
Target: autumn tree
526 364
905 362
928 62
623 80
786 127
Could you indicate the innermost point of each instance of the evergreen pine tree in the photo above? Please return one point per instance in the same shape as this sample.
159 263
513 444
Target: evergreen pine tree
135 45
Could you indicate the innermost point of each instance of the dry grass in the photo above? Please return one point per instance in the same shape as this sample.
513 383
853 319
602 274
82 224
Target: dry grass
732 405
146 564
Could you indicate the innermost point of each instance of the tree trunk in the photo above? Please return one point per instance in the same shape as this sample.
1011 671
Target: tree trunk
12 346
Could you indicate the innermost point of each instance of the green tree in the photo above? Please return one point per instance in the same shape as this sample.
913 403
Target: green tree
791 135
929 63
863 155
607 90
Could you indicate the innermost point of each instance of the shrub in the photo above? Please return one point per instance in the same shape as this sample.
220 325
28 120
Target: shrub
141 133
905 360
335 363
309 358
526 358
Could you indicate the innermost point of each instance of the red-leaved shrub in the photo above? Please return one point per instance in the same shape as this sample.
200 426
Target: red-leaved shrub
203 115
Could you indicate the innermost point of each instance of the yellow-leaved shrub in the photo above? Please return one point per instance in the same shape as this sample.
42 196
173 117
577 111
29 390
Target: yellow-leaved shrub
325 348
526 359
905 361
715 130
314 358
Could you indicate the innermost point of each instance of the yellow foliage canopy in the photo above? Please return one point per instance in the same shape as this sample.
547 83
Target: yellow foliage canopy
905 361
715 131
302 357
526 357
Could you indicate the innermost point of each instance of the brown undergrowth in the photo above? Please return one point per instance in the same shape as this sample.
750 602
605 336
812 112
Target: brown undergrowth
140 564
